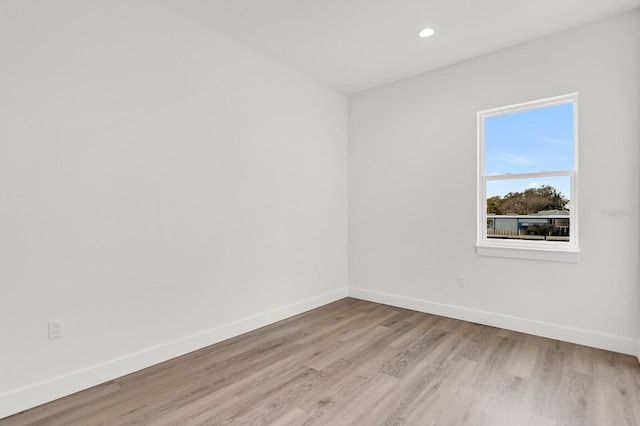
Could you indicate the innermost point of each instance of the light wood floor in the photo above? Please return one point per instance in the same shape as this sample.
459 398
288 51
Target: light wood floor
361 363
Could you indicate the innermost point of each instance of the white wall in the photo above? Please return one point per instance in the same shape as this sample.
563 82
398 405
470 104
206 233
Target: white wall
161 188
412 176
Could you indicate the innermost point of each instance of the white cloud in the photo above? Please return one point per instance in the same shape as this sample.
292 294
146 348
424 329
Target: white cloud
516 160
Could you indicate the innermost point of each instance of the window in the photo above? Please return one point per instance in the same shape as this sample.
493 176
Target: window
527 180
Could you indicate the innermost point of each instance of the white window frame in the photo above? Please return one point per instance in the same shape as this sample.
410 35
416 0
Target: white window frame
528 249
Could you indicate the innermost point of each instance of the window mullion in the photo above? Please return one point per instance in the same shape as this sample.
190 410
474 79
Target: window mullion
529 175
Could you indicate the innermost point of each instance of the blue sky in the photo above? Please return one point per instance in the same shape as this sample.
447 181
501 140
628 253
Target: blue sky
529 141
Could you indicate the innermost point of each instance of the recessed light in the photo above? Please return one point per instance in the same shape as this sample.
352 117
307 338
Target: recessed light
426 32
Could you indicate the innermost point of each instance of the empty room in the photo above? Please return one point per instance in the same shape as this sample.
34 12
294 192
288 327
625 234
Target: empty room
294 212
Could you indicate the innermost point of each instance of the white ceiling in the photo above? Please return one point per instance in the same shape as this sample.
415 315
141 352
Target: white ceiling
353 45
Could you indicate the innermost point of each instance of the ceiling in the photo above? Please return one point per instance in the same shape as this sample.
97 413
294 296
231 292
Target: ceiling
353 45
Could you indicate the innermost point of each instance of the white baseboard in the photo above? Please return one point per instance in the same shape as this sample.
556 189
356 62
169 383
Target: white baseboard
31 396
625 345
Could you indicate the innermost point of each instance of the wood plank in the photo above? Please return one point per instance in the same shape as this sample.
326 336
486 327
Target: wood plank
362 363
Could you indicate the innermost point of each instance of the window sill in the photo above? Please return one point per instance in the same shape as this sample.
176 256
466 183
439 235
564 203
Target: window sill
544 254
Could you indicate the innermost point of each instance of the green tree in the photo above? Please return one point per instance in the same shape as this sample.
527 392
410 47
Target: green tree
493 204
529 201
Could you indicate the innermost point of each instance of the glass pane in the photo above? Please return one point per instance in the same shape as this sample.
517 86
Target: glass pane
529 209
529 141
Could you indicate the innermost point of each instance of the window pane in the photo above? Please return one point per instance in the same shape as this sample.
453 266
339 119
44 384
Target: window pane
529 209
529 141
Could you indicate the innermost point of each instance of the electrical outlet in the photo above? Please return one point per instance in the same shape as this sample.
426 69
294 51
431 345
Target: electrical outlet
462 281
55 329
